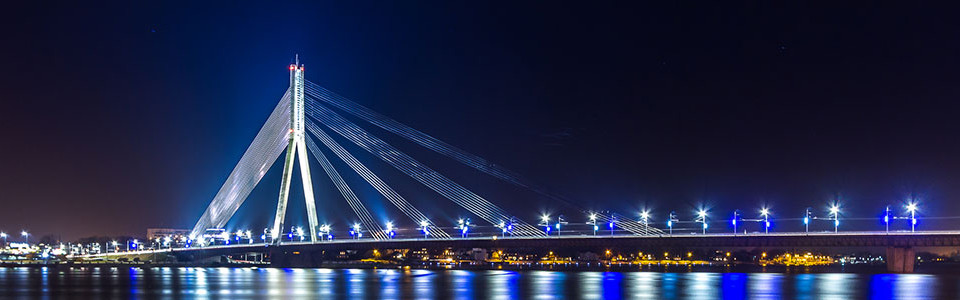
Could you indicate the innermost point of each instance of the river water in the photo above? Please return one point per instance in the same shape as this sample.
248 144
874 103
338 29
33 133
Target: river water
241 283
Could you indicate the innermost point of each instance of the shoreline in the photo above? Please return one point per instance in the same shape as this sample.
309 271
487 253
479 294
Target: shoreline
584 267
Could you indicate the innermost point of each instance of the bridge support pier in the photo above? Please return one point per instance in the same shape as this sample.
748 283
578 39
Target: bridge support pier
280 258
900 259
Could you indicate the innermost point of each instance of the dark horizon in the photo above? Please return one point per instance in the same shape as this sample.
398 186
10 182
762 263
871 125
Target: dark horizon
126 116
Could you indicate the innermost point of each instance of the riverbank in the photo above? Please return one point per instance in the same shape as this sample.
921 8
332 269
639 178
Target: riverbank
943 268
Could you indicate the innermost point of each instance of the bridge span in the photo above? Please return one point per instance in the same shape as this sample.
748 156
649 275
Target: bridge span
900 255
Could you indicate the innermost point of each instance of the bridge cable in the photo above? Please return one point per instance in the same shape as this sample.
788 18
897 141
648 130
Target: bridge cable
412 212
430 142
448 150
262 153
362 212
432 179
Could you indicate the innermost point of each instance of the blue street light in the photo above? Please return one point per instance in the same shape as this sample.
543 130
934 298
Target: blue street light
545 222
672 218
391 232
912 208
886 218
423 228
835 212
765 213
356 232
560 220
702 217
806 220
464 226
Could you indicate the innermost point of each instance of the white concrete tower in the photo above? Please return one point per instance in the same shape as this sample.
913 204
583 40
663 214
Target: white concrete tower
296 145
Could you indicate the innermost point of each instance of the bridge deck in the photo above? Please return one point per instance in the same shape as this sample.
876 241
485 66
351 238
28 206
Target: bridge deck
812 239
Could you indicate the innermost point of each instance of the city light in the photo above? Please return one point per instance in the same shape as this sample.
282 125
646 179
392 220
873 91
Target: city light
886 218
672 218
390 230
545 222
593 221
423 228
325 232
355 232
702 218
912 209
26 236
612 223
736 215
765 213
645 220
464 226
835 212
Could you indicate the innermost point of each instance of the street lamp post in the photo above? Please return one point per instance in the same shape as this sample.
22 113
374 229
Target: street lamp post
545 222
4 236
560 221
325 232
390 230
765 213
644 219
672 218
886 218
593 221
356 233
835 211
26 237
423 227
464 226
702 218
736 215
806 220
912 208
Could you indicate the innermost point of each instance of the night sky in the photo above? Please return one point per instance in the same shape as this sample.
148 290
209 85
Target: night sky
119 117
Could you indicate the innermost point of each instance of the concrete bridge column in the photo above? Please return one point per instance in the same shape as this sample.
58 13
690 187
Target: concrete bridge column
292 258
900 259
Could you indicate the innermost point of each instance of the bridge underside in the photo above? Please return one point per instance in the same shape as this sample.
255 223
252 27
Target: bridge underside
900 254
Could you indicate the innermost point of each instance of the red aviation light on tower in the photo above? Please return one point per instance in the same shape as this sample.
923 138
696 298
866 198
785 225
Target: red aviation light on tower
292 67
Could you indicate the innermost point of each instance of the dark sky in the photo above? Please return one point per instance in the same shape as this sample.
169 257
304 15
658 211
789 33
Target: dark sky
119 117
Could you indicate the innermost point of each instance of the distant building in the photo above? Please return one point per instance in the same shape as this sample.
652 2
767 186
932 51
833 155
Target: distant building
154 233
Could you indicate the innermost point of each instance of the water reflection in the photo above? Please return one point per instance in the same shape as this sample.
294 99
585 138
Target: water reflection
765 286
502 284
246 283
462 284
546 284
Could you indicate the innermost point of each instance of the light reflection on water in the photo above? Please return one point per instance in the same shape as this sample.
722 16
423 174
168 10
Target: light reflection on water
241 283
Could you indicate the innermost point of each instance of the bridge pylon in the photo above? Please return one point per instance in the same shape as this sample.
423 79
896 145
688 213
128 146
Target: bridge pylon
296 150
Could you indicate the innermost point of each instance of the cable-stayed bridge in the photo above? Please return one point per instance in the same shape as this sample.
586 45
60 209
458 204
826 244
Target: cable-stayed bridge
307 113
